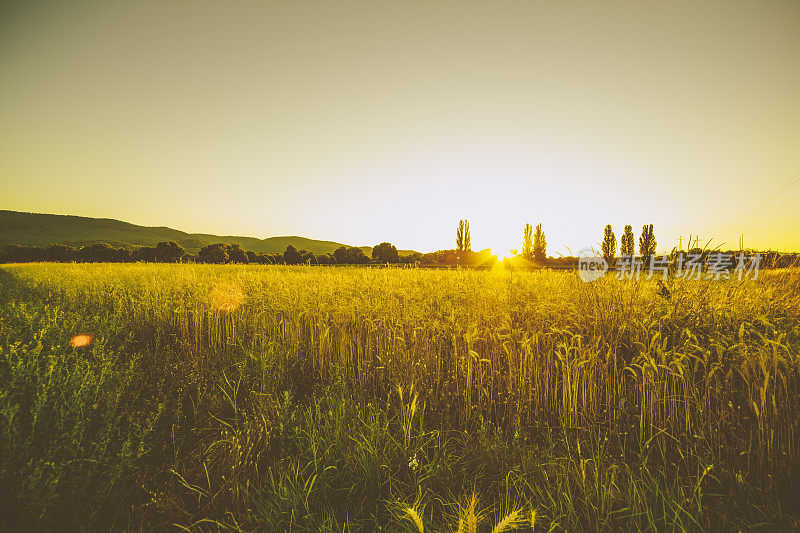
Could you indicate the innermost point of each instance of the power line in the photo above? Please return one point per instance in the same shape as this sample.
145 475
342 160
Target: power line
786 186
769 217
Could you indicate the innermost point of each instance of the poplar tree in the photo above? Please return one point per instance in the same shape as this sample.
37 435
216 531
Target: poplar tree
626 244
539 245
463 240
647 245
609 247
527 242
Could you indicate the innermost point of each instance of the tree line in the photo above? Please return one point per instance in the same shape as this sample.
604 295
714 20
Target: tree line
533 253
218 253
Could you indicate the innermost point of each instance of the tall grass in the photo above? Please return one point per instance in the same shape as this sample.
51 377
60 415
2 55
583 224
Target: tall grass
306 399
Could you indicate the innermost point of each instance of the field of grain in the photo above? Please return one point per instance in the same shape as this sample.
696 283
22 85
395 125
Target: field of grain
351 399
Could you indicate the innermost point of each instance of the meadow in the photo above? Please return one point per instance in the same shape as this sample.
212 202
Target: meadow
290 398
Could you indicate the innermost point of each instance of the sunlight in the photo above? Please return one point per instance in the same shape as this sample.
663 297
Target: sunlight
501 255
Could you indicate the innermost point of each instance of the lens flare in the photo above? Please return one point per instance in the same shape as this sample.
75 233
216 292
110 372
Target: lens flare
78 341
226 296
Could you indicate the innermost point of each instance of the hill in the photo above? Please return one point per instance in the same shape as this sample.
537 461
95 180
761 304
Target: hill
39 229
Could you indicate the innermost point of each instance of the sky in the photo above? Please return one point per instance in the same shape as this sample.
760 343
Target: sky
363 122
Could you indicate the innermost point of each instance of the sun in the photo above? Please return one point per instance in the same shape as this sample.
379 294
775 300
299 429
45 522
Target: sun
504 255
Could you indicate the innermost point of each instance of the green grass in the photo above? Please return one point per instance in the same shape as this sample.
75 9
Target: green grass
305 399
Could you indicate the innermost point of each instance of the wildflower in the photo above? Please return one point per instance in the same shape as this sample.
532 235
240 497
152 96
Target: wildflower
413 464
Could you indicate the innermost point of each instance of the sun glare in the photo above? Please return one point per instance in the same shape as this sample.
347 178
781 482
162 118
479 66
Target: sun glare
501 255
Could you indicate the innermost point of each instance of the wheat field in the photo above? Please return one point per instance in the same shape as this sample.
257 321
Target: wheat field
307 398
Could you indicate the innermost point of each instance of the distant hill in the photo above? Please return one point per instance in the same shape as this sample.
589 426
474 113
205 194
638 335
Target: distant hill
39 229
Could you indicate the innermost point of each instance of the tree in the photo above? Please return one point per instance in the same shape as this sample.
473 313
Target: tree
213 253
260 258
102 253
58 253
647 244
385 252
527 242
539 245
291 256
350 255
307 258
463 239
357 256
169 252
236 254
146 254
340 255
411 258
626 243
609 245
14 253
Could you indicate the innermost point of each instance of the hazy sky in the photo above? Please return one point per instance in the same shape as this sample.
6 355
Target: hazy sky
369 121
